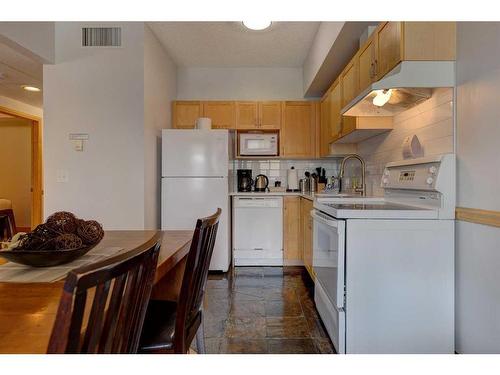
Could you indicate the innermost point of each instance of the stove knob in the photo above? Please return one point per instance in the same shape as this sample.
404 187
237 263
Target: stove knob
432 170
385 181
386 172
430 180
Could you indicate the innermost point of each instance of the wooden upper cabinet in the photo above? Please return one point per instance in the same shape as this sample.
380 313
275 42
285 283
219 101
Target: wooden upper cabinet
389 47
413 41
247 115
258 115
366 63
325 125
185 114
298 133
335 101
350 82
429 41
222 113
270 115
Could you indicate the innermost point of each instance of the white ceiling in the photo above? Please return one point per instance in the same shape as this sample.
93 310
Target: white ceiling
230 44
17 70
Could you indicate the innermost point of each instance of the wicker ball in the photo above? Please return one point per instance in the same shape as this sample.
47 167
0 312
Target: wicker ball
67 241
90 232
40 238
63 222
29 242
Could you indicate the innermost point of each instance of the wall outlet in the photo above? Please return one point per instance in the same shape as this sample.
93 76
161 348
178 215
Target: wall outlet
62 176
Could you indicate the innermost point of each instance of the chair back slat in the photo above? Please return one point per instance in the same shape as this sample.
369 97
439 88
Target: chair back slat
194 280
96 318
112 317
121 287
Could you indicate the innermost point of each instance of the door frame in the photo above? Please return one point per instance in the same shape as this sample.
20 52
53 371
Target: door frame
36 163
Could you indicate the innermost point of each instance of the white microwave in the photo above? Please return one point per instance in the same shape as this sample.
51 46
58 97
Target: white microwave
258 144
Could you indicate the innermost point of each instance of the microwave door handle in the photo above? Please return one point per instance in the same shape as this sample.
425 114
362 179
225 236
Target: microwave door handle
323 219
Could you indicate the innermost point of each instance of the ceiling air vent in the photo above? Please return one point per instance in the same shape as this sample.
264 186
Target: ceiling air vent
101 37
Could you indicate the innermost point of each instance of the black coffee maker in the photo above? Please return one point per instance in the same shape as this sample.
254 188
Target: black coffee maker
245 181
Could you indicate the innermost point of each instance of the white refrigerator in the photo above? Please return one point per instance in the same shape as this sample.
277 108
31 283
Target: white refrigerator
194 184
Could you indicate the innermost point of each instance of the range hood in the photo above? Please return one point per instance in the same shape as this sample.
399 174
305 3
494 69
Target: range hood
408 84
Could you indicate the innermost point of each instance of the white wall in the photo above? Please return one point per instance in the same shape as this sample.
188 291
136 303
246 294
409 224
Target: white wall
239 83
323 41
15 164
478 145
431 121
36 38
159 91
99 91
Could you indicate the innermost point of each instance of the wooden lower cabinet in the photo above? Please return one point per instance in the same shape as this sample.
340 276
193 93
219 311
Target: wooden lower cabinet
292 246
297 232
307 239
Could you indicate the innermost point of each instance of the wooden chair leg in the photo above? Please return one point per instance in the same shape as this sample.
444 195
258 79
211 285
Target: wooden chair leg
200 339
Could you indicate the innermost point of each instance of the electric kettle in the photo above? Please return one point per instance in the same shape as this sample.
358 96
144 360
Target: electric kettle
261 183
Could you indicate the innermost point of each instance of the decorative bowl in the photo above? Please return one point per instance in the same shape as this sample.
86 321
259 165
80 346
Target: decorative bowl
44 258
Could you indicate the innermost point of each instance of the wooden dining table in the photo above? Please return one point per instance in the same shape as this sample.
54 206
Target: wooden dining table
28 310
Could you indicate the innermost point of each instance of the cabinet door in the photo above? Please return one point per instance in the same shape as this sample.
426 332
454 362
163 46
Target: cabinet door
348 125
389 47
185 114
306 207
291 232
350 82
335 101
222 114
247 115
325 126
299 129
366 63
270 115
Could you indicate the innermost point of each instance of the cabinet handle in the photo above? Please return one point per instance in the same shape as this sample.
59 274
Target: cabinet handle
375 68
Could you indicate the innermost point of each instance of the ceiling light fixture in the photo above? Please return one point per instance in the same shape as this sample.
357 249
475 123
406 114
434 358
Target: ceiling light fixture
257 24
31 88
382 97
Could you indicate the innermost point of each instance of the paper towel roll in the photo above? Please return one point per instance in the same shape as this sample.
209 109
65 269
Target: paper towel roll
292 179
204 123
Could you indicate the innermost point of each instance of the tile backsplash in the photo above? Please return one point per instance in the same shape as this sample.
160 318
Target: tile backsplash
276 169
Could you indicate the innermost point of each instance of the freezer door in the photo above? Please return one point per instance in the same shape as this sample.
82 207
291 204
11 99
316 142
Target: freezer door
195 153
184 200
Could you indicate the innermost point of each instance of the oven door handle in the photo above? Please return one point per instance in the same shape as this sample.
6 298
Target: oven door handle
324 219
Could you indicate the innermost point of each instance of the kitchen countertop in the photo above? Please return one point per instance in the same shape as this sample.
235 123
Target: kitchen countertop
309 196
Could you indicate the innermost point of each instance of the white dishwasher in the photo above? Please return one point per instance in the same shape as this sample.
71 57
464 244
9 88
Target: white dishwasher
257 231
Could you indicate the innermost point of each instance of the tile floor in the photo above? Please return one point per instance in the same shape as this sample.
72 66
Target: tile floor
263 310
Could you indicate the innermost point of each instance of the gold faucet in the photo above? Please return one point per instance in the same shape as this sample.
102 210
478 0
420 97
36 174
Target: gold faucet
357 189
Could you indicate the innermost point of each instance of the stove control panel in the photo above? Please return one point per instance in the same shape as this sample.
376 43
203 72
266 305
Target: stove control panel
418 176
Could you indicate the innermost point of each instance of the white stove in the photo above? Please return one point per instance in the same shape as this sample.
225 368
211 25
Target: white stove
385 265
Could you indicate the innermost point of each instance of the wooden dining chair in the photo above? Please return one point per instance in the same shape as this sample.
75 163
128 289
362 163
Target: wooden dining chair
170 326
118 289
7 223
